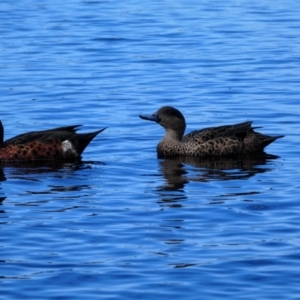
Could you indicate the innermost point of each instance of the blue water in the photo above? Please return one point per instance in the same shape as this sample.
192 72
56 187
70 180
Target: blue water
124 224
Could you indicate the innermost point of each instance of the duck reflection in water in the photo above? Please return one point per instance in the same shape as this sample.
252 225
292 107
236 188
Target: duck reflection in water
177 174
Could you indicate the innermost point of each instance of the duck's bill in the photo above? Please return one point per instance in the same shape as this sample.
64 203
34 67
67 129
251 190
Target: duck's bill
149 117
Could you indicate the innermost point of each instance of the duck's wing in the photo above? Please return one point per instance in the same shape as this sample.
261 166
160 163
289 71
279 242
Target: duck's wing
218 146
254 142
60 133
237 130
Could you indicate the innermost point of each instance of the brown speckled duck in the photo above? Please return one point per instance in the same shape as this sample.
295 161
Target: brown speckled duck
62 143
229 140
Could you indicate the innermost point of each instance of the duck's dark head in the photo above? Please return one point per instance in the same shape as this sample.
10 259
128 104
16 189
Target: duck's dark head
171 119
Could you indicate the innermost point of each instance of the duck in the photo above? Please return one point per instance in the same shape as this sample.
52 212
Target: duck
220 141
61 143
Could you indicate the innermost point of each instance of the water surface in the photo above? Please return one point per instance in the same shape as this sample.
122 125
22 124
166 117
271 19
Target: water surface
124 224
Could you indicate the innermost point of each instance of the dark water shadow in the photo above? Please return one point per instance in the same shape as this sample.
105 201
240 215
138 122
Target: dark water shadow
41 172
182 170
47 166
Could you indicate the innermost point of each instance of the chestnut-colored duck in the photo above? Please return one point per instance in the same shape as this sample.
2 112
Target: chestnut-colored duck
229 140
62 143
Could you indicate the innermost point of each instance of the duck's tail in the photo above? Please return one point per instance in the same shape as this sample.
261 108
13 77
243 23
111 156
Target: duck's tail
267 140
256 141
81 140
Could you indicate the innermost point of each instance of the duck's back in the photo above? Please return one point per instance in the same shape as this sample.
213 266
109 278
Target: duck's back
59 133
226 140
201 136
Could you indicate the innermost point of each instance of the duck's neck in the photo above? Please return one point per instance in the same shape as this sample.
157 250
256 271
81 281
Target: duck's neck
176 135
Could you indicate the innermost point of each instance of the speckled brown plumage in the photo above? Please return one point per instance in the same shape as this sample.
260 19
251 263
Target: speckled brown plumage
60 143
226 140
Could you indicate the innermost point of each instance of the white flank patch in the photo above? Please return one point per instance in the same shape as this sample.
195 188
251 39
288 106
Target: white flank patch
68 148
